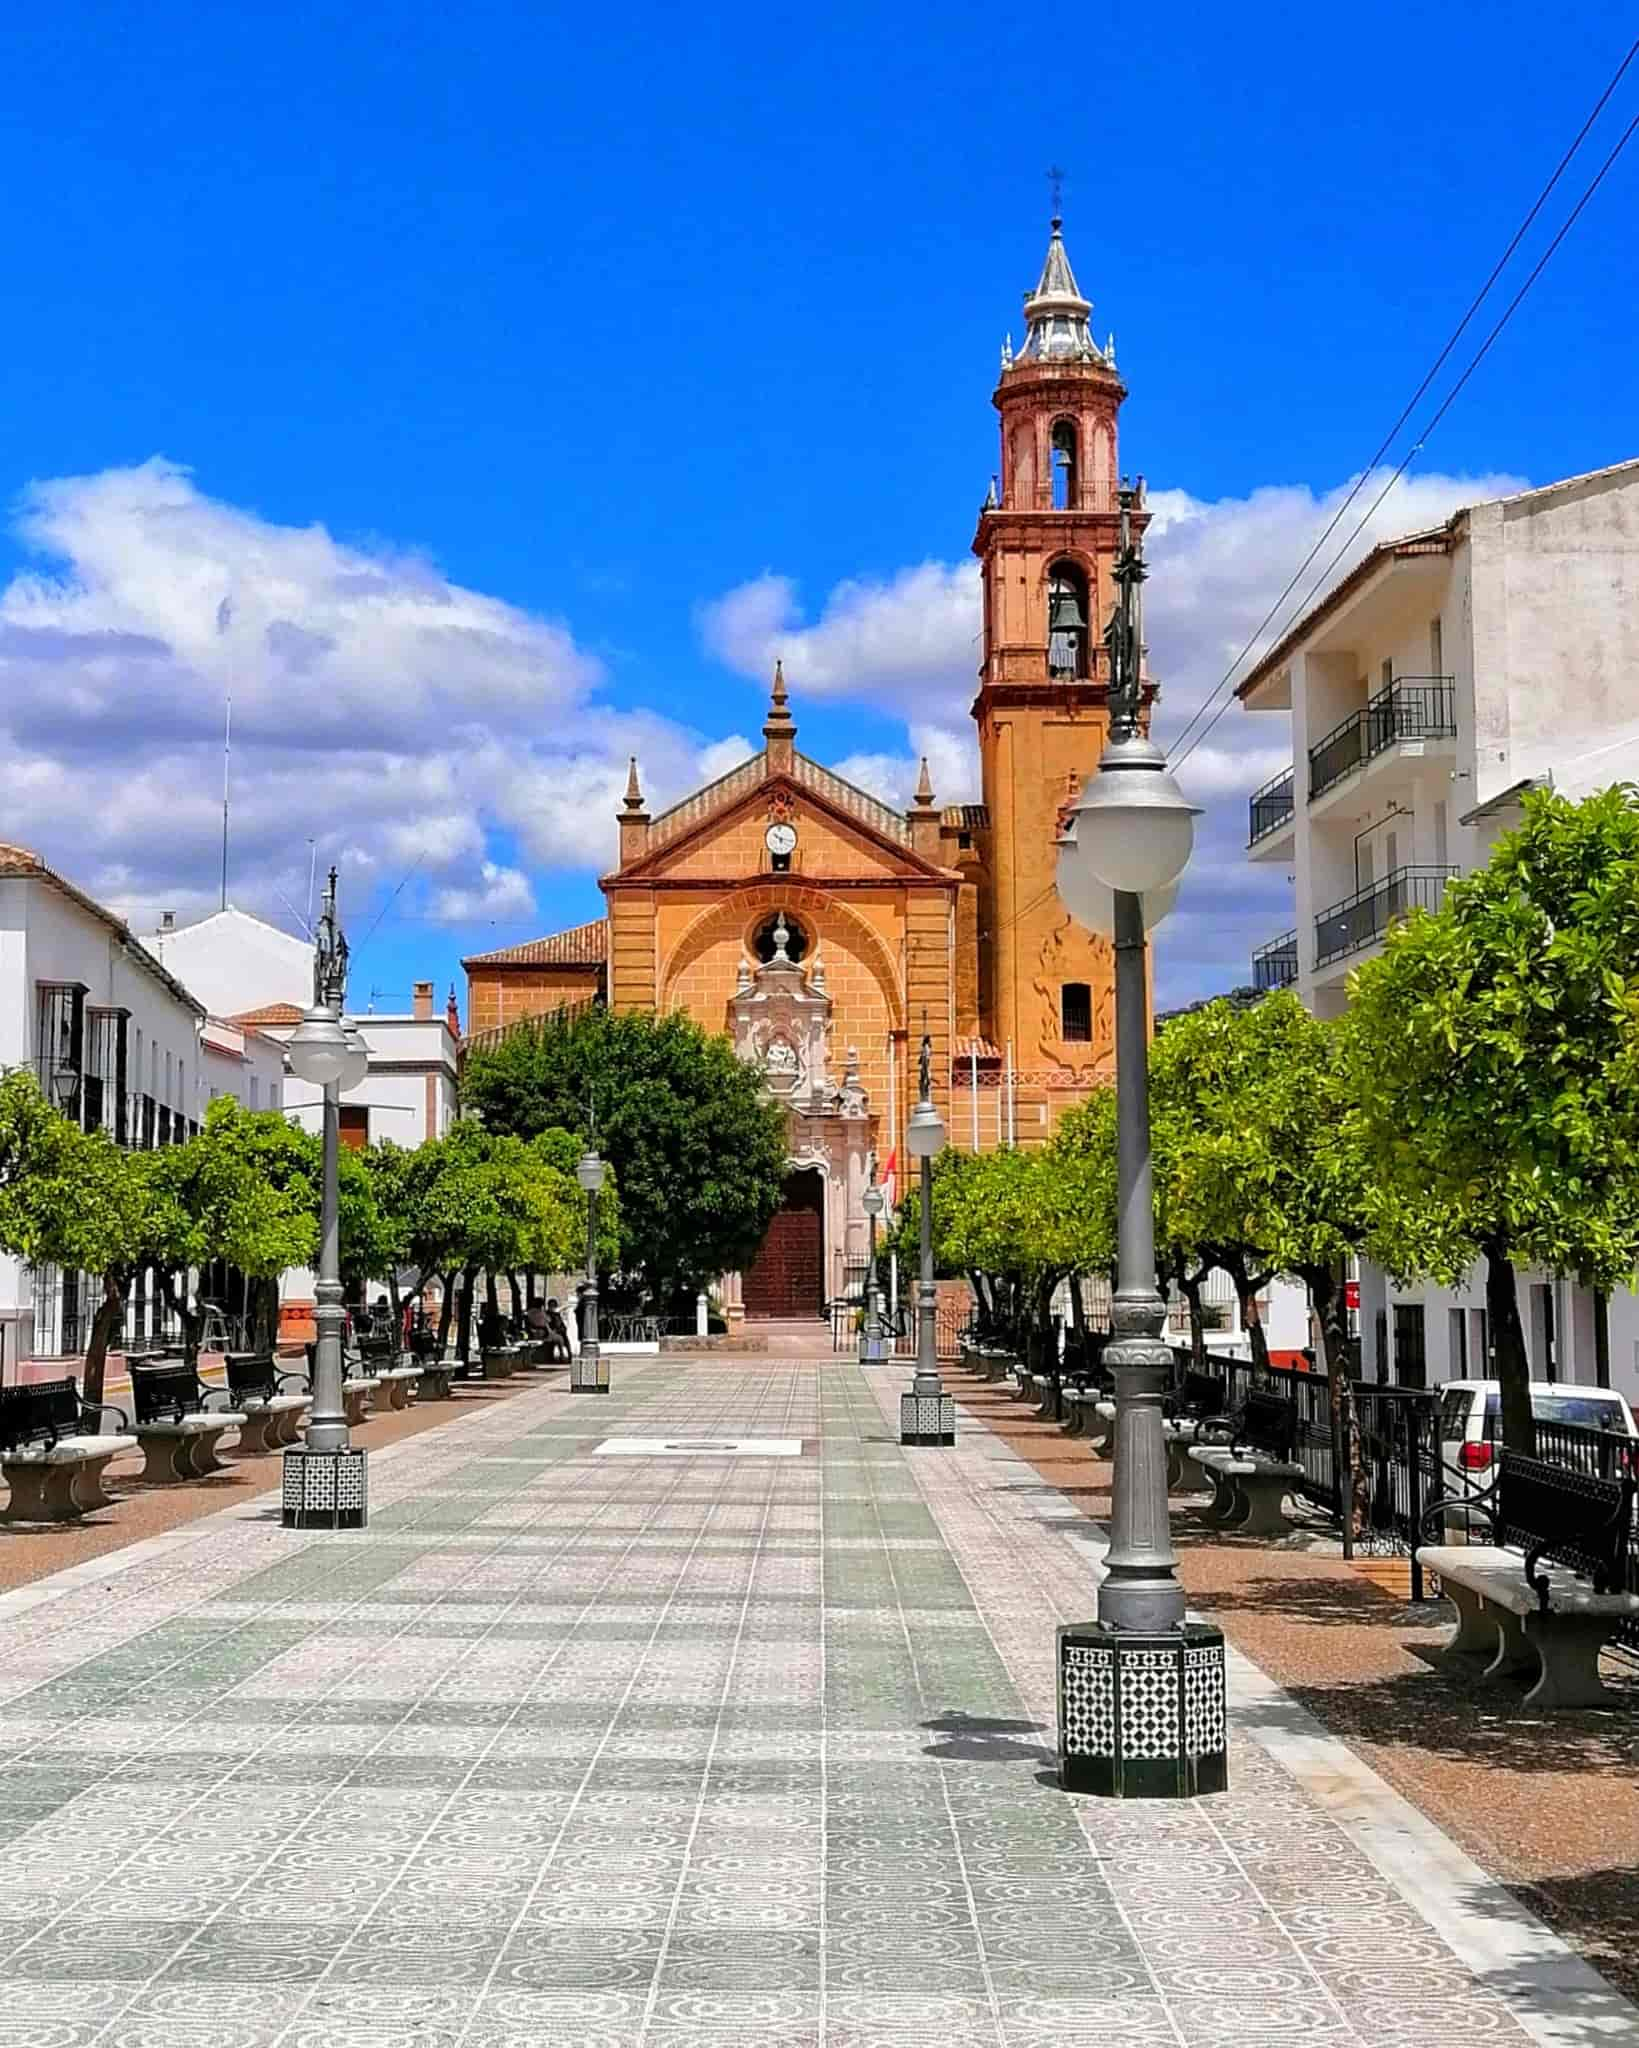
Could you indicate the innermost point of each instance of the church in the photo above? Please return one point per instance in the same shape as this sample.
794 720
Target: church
827 932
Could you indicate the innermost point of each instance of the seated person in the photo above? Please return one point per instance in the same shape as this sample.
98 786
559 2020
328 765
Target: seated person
556 1330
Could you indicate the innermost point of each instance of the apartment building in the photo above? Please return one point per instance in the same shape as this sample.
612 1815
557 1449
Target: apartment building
118 1044
1450 672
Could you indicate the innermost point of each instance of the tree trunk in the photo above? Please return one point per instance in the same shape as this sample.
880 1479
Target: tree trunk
1508 1346
463 1340
1247 1288
396 1303
264 1330
446 1312
178 1298
110 1314
1189 1285
1326 1291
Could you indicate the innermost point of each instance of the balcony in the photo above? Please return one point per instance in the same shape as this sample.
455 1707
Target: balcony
1271 807
1365 916
1415 708
1276 965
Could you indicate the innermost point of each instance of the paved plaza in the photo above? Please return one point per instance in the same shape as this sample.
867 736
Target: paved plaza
667 1743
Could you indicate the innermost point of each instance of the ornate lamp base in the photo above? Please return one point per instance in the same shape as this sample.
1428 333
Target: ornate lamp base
927 1418
588 1375
1142 1714
325 1489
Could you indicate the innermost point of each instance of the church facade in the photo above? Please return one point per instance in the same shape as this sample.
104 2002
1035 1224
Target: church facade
826 932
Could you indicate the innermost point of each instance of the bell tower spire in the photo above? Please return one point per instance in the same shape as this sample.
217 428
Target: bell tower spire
1048 543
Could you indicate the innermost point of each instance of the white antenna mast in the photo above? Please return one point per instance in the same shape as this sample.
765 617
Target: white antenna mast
227 749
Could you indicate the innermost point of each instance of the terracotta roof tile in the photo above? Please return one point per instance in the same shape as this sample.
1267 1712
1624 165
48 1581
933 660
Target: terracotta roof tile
966 1048
586 945
966 817
269 1013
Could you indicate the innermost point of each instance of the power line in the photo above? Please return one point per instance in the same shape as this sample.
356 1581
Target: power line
1183 740
1445 404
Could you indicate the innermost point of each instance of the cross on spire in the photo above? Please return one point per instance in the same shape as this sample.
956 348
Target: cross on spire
1055 179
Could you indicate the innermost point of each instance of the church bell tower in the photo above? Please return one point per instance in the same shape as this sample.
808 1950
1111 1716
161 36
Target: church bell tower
1047 545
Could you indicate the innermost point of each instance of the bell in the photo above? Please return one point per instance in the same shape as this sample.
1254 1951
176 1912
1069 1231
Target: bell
1064 613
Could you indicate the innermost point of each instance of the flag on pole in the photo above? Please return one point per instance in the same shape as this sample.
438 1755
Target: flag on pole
890 1180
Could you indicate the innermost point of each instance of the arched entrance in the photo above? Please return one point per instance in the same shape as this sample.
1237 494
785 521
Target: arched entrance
786 1279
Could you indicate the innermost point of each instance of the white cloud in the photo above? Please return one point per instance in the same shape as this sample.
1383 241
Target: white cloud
952 755
913 638
501 894
393 716
1216 567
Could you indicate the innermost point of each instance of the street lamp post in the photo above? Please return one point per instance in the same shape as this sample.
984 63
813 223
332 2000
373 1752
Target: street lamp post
589 1369
325 1481
927 1414
870 1331
1141 1690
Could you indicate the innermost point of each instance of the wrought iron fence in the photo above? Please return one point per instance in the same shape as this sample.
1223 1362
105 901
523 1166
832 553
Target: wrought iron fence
1411 708
1368 913
1276 965
1271 807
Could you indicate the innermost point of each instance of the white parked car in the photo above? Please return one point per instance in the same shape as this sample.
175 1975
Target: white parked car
1471 1427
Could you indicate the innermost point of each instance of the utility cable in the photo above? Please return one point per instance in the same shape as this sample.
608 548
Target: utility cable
1183 740
1445 404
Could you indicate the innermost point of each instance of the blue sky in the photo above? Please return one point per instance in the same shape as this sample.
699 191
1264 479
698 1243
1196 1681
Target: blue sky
526 374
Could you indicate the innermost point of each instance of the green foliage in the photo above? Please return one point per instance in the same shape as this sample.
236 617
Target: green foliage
1493 1056
1249 1137
698 1151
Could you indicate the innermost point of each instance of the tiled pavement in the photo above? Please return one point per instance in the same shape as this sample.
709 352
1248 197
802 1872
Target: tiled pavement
635 1751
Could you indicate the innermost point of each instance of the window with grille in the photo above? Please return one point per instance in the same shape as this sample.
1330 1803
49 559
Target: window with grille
60 1045
1410 1345
104 1081
1076 1012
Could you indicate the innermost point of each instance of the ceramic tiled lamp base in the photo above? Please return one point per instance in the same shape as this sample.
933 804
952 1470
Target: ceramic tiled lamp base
589 1375
1141 1716
325 1489
927 1419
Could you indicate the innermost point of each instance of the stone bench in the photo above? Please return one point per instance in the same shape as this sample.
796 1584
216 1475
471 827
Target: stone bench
1500 1616
256 1388
52 1452
178 1433
1549 1599
396 1386
1249 1488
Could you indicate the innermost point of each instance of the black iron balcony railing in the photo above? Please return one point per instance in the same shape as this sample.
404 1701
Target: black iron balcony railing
1414 708
1271 807
1276 965
1368 913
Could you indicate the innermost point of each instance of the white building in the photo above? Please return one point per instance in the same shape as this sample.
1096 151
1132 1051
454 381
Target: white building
260 979
119 1044
1451 671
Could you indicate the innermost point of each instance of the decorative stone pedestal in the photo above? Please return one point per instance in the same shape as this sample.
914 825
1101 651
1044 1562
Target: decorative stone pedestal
588 1375
1141 1715
927 1418
325 1489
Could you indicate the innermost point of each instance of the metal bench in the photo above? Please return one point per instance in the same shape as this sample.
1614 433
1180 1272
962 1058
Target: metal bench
1550 1592
256 1387
52 1452
1254 1471
178 1434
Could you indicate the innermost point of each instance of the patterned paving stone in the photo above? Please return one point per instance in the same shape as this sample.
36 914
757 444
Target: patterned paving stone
643 1751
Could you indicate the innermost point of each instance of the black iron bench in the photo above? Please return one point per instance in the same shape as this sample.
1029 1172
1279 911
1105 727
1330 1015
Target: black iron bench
1548 1594
256 1387
1254 1471
52 1451
178 1434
